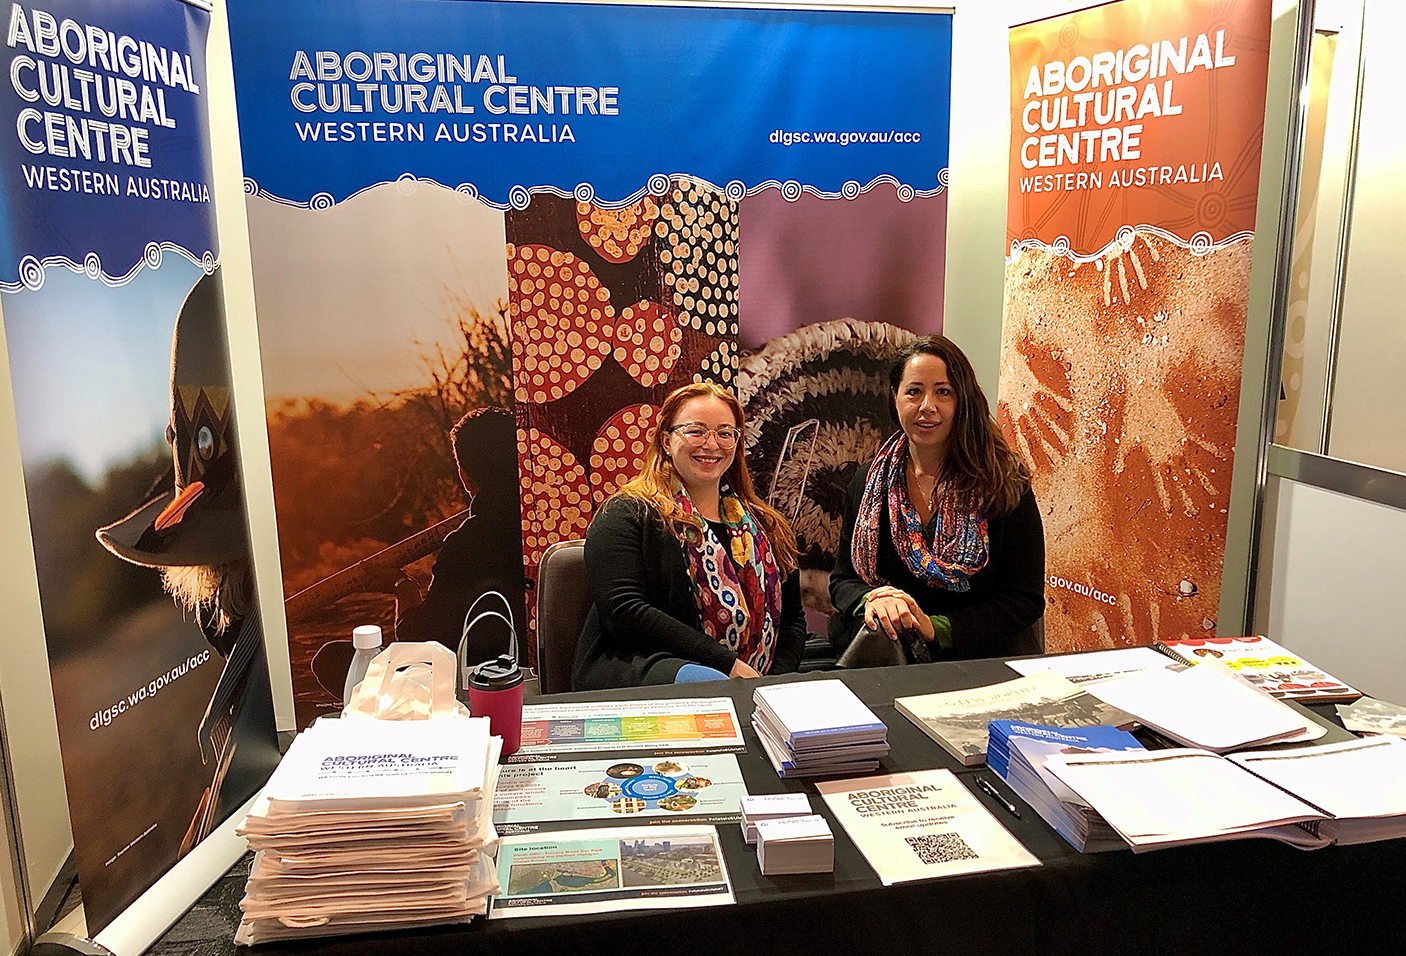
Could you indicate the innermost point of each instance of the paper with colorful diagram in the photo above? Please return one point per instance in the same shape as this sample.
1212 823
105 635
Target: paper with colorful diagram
701 725
705 788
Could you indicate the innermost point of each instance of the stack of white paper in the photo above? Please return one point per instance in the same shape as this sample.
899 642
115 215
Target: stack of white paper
771 806
795 845
1362 783
1206 706
817 728
372 824
1162 798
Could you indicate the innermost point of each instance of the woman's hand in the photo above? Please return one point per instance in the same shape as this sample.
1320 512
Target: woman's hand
895 611
741 668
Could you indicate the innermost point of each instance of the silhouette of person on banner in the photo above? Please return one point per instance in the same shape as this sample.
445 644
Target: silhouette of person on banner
480 557
483 555
192 528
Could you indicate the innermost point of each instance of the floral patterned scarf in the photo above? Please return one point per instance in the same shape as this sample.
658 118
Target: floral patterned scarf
960 546
739 603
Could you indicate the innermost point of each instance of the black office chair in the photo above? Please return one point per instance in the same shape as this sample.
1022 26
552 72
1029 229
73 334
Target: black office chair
563 601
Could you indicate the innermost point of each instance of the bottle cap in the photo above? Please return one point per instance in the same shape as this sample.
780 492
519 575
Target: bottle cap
498 674
367 635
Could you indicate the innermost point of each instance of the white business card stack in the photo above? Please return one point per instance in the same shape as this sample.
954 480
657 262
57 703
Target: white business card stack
795 845
771 806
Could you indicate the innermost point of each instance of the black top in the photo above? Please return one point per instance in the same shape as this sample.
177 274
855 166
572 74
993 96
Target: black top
995 618
644 624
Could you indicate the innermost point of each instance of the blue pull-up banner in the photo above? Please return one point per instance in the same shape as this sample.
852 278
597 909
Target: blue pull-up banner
553 215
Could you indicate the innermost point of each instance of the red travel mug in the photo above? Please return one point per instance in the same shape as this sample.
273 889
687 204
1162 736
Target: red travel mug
495 692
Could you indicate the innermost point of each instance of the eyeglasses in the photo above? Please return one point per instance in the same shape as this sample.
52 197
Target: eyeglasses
696 434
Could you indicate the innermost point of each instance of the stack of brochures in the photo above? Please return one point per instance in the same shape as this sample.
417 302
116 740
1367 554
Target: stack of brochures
1017 754
771 806
817 728
795 845
373 824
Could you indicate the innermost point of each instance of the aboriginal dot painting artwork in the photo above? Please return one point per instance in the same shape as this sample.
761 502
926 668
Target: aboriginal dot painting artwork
1127 278
611 310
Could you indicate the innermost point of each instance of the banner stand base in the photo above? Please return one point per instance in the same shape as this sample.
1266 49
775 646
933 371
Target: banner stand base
66 944
133 931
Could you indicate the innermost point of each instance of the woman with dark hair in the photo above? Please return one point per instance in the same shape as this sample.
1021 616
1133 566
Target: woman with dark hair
942 544
693 576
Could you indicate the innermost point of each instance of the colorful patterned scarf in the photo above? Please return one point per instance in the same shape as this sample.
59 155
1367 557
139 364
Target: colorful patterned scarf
739 603
960 546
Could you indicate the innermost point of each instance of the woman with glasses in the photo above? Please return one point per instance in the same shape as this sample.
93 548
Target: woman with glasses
693 576
941 546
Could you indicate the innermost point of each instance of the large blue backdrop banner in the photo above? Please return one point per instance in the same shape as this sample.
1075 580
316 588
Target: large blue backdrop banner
550 216
505 99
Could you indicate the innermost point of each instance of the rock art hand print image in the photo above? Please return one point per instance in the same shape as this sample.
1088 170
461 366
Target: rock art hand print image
1120 385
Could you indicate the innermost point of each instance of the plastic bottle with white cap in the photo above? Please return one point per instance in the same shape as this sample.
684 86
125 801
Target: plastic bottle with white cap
366 644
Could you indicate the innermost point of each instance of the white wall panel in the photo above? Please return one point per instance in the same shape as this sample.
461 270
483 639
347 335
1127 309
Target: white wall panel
1336 571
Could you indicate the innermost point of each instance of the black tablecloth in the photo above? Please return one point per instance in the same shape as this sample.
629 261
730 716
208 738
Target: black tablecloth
1246 896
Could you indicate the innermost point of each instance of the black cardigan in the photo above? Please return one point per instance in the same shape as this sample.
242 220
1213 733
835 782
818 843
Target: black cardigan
644 624
996 618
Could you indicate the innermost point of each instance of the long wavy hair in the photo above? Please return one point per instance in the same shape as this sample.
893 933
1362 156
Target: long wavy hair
658 480
980 464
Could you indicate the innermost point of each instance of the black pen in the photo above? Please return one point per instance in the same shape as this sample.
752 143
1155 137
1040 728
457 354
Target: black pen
985 785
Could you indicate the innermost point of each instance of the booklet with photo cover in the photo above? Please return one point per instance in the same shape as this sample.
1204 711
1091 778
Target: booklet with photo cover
957 719
1371 716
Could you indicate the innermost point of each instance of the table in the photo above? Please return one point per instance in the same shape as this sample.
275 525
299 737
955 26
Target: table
1246 896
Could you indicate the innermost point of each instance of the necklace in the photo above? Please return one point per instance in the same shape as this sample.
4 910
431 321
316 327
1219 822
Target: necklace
929 494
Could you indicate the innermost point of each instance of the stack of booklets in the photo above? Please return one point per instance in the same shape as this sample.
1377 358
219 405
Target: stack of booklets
372 824
795 845
957 719
1017 753
817 728
771 806
1349 792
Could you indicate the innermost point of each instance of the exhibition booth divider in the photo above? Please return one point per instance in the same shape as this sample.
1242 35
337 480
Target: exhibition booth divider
486 240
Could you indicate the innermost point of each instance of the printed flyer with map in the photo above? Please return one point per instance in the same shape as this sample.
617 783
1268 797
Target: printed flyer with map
546 796
597 871
698 725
